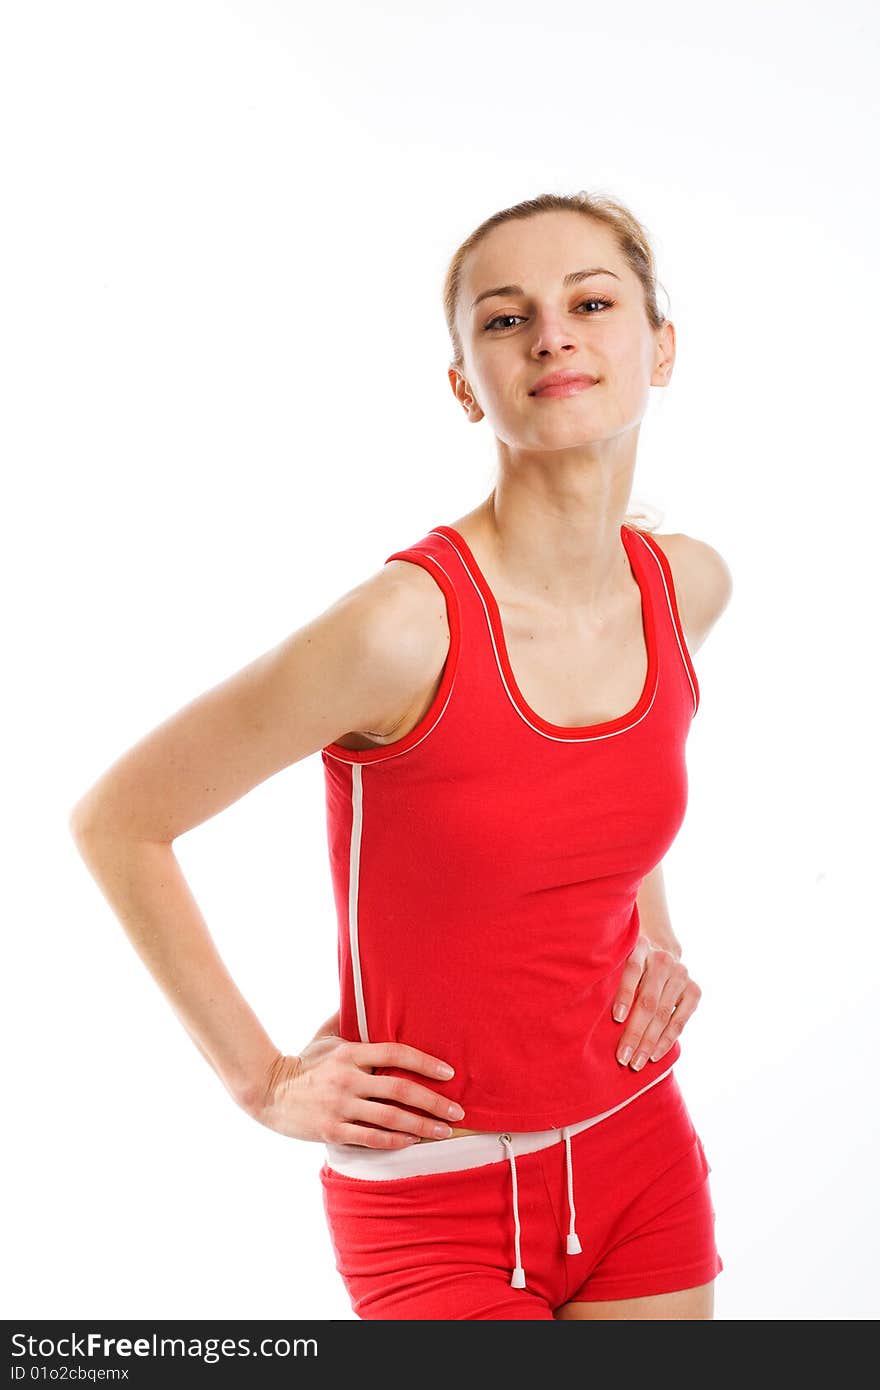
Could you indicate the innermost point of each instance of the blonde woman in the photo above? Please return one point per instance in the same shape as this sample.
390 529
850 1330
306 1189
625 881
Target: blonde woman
502 710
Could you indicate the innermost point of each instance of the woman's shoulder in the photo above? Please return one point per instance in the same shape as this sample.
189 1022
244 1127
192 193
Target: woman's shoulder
403 625
702 579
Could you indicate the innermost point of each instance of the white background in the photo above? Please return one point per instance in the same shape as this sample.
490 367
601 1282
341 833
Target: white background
224 366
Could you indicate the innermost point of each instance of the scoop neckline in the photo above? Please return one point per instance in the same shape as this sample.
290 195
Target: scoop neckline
633 547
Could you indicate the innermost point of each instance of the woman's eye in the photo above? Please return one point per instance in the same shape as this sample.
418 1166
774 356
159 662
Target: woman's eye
606 303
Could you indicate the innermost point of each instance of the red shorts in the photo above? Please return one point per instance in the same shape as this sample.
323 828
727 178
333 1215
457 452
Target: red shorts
503 1239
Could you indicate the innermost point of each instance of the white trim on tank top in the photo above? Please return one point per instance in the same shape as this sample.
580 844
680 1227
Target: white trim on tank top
556 738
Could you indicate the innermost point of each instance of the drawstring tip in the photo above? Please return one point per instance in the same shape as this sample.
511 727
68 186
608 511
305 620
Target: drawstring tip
572 1244
518 1280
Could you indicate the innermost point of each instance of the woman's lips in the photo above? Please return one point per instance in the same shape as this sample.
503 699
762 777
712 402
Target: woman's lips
565 388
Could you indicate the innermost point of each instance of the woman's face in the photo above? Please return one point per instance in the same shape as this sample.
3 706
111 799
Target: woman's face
597 325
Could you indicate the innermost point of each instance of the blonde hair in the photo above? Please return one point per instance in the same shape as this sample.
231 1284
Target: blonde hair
632 241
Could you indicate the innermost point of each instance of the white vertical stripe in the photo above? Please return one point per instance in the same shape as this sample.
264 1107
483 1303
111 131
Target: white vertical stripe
354 869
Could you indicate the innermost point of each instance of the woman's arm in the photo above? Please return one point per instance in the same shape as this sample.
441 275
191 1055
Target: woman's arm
143 883
655 996
356 667
654 917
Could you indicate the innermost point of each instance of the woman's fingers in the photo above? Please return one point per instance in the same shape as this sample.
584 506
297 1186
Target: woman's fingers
346 1133
394 1118
374 1110
683 1010
393 1054
629 981
403 1093
657 1023
663 983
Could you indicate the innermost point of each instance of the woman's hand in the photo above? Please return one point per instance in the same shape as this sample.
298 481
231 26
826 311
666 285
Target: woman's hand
667 997
329 1093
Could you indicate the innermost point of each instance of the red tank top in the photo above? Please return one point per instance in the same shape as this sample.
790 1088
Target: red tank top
485 867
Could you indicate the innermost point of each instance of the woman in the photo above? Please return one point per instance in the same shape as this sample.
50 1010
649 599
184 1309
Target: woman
501 711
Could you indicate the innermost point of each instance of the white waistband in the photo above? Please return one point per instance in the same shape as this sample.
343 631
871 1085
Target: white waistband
459 1152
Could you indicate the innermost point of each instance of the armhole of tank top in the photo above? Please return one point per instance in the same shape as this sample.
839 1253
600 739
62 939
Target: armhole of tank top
669 583
434 713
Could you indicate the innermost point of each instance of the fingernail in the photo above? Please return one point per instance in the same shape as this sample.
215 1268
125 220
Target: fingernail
444 1070
640 1061
655 1056
624 1056
619 1013
442 1131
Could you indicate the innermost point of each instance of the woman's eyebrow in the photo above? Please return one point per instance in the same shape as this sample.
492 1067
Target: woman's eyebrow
572 278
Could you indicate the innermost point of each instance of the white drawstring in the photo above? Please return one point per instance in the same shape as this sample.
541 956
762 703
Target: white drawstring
572 1243
518 1279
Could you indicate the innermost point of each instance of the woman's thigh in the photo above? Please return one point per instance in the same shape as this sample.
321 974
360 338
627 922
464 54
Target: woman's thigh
691 1304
